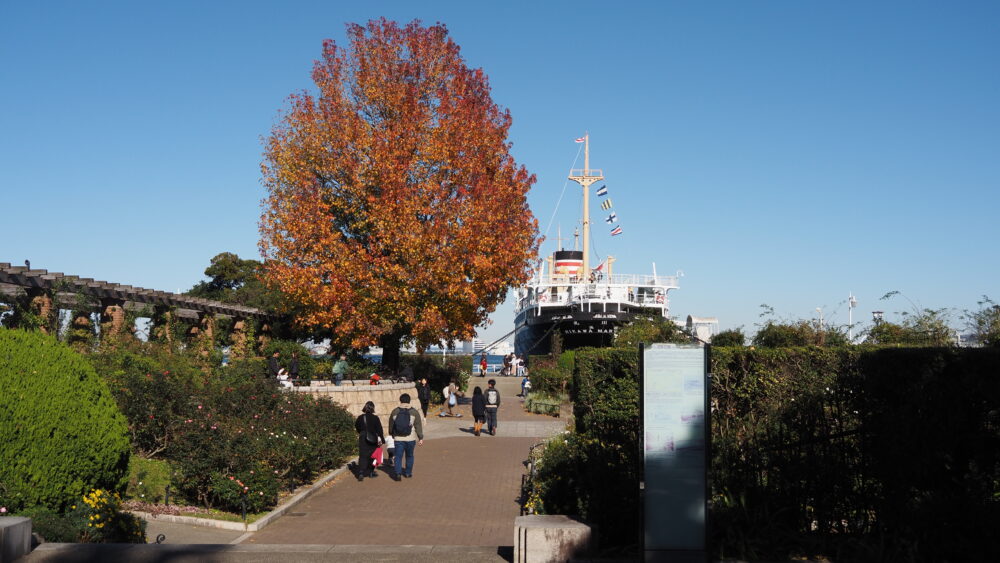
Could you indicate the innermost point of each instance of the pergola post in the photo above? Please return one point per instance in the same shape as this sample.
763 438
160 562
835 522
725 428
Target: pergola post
112 317
240 339
204 334
40 304
162 323
264 338
81 329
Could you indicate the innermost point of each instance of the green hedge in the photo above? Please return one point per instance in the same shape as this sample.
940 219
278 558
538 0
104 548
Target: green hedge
861 453
855 453
594 472
61 432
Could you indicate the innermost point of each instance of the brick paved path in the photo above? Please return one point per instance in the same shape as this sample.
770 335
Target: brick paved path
464 489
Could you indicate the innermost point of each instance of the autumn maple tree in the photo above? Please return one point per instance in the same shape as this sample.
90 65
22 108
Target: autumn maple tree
395 211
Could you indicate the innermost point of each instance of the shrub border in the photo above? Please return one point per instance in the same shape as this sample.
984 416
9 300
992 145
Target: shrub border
257 525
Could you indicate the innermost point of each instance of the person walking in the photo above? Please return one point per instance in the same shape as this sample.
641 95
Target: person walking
424 394
492 404
273 367
452 395
482 365
506 364
293 368
339 369
478 410
407 432
370 436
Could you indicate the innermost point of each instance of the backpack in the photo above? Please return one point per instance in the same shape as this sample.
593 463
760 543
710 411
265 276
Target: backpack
446 391
401 425
491 396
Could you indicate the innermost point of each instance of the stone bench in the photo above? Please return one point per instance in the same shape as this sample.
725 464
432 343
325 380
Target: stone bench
548 538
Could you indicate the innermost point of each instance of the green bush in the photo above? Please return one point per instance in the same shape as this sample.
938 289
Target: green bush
549 379
61 431
153 389
213 425
247 426
255 489
147 479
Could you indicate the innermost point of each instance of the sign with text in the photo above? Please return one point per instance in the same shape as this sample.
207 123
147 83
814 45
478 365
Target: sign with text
675 450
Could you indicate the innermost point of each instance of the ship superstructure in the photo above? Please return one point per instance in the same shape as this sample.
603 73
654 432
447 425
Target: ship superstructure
583 305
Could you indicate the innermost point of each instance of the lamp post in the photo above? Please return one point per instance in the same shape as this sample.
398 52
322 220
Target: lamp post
851 304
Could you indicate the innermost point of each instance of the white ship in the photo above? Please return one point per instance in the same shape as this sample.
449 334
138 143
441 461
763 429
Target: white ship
582 304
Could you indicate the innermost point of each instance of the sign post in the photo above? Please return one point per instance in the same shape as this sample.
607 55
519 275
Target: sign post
675 417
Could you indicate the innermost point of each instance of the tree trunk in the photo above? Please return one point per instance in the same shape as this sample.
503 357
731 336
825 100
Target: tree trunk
390 351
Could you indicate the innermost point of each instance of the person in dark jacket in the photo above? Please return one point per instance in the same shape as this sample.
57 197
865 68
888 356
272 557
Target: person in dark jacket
273 367
368 425
478 410
492 397
424 394
293 368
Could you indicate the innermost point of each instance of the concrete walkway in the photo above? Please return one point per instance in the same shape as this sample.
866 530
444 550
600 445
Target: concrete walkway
460 504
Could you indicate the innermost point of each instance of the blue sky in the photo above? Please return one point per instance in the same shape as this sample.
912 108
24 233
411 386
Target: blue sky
780 153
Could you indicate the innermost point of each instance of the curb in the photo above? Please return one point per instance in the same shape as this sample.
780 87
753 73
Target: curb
262 522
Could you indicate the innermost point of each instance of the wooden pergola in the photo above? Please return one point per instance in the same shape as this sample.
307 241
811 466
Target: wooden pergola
48 290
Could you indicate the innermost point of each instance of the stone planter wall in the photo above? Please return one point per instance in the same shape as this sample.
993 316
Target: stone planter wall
353 397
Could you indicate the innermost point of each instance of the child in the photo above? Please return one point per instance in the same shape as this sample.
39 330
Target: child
283 378
390 448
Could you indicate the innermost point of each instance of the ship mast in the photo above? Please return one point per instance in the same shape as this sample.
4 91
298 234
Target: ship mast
585 178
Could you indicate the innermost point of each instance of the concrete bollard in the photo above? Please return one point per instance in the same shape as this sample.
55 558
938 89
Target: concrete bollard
549 538
15 537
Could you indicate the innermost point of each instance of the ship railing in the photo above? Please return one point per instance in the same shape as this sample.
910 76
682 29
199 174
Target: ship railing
640 279
586 173
596 294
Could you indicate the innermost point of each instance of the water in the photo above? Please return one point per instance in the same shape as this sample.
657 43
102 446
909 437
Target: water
493 361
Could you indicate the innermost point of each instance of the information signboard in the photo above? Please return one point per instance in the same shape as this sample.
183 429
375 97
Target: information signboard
675 451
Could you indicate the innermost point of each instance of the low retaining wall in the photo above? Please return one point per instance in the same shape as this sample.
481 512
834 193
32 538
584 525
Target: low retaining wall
15 537
354 397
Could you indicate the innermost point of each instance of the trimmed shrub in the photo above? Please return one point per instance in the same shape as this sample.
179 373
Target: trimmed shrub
61 431
147 479
254 489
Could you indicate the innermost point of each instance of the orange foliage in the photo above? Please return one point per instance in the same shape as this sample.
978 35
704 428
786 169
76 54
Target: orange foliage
394 206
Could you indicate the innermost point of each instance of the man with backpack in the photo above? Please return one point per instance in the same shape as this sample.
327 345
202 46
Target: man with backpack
407 431
492 404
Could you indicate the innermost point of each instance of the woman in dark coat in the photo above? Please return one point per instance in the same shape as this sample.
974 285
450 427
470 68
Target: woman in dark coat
478 410
369 424
424 394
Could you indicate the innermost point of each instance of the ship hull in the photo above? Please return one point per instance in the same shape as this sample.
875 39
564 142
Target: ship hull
534 328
